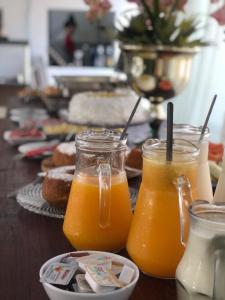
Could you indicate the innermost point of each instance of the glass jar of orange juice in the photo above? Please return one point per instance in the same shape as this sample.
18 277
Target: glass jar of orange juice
192 134
99 212
161 215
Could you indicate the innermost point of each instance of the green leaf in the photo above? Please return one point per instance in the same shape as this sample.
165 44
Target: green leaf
165 31
156 7
138 24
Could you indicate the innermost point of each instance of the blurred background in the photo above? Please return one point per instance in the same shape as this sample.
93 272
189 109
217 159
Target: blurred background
40 40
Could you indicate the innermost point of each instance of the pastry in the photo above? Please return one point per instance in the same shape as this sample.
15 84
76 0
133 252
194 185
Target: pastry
64 154
56 185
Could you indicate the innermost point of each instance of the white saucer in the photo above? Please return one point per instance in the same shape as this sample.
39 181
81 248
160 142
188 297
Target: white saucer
36 145
21 140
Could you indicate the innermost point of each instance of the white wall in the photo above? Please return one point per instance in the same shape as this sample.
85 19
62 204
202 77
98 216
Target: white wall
14 62
13 59
207 79
15 17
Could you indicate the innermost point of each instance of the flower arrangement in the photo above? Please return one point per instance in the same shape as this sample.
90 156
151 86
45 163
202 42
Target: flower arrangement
157 22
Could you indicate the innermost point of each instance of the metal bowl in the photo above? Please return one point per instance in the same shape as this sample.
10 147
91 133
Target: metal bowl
158 72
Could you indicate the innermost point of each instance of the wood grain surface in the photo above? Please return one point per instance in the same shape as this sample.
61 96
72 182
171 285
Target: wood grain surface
27 240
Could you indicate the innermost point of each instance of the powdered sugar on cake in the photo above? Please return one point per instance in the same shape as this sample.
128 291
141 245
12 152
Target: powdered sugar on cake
67 148
62 173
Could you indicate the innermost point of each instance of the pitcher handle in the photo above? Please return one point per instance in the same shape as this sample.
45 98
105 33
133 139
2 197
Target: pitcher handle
184 189
219 272
104 177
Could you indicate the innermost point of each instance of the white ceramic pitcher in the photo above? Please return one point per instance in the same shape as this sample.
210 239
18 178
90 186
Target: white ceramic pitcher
201 271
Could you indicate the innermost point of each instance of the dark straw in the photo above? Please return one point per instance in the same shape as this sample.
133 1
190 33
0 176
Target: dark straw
130 119
207 118
169 144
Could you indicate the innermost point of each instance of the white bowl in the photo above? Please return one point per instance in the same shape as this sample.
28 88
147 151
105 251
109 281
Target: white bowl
124 293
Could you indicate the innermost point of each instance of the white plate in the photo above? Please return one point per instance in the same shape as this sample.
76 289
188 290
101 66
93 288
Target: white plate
33 146
19 118
18 115
30 198
21 140
26 111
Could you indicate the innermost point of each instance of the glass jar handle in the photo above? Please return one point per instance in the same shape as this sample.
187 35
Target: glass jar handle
184 198
104 177
219 269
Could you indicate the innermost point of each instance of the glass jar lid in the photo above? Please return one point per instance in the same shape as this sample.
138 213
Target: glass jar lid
189 132
209 213
105 140
183 150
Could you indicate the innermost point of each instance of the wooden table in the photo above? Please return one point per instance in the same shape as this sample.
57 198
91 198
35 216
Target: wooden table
27 240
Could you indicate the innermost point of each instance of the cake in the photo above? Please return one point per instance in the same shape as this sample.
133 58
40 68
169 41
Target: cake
56 185
107 108
64 154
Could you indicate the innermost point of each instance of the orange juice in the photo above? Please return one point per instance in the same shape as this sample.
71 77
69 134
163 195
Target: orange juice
81 224
154 241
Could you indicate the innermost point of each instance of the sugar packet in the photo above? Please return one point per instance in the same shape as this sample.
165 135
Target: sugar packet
116 268
94 259
59 273
126 275
101 279
72 257
82 285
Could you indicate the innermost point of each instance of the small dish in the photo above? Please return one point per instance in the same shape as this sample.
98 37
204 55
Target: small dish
15 141
30 198
27 111
21 114
124 293
40 148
